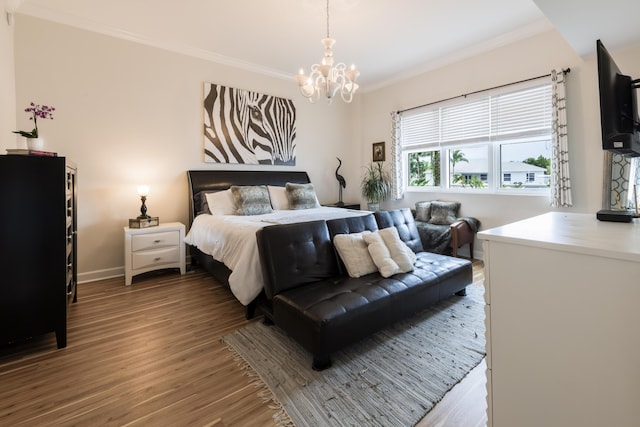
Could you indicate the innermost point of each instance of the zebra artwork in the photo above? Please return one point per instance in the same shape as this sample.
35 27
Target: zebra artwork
248 127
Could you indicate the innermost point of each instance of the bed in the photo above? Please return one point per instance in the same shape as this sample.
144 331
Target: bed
225 244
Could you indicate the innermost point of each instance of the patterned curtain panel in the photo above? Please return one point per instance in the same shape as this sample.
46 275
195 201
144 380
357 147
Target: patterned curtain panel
636 183
620 173
397 189
560 179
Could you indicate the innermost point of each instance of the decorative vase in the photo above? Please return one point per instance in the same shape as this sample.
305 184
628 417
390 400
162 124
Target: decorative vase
35 144
373 206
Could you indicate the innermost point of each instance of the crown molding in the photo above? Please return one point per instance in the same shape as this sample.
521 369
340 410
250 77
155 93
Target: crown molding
100 28
541 26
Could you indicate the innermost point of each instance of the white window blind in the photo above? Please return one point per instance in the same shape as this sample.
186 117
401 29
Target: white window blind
511 114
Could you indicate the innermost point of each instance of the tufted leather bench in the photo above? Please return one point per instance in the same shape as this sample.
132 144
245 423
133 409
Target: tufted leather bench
310 296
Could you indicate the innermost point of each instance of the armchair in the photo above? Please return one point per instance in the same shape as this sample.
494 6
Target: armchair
440 228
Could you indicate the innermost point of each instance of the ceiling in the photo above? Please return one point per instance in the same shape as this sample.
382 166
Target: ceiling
388 40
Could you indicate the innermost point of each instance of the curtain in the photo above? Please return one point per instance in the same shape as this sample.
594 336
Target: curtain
621 177
397 189
634 183
560 179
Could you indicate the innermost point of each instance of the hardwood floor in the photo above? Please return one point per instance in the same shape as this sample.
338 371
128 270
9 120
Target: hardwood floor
151 354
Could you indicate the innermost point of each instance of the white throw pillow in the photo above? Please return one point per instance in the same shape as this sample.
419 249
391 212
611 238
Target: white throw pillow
221 203
278 197
354 253
400 252
381 255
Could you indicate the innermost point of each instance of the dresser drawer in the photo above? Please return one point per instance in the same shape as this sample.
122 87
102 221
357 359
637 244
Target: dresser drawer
155 257
155 240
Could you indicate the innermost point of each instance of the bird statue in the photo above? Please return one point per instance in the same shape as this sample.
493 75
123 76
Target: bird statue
341 183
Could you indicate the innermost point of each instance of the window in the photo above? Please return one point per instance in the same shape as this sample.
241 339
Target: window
497 140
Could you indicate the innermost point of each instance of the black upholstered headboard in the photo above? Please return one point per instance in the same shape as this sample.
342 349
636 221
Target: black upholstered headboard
218 180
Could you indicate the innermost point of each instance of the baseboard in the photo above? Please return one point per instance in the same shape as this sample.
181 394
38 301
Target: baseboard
109 273
92 276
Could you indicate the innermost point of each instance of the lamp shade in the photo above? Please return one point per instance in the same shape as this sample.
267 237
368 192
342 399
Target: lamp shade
143 190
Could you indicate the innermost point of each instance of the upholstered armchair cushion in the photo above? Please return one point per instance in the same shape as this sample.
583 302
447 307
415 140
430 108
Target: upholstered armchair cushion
423 211
445 232
443 213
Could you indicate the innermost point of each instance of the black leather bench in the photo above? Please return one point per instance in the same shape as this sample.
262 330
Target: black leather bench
310 296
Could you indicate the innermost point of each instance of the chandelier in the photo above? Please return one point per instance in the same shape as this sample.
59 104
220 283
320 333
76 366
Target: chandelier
327 79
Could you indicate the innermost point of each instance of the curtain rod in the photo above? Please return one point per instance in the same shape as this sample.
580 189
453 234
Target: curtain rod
464 95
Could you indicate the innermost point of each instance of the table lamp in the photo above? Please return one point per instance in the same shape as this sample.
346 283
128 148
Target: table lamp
143 220
143 192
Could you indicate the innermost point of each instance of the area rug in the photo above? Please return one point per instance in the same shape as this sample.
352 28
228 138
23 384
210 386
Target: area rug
393 378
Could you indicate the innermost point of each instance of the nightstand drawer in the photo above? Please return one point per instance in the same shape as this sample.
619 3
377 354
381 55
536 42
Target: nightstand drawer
155 240
155 257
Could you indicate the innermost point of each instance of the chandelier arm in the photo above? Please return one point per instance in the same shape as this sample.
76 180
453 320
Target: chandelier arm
347 98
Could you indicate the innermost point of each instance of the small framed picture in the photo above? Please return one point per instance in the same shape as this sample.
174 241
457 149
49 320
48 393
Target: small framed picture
378 151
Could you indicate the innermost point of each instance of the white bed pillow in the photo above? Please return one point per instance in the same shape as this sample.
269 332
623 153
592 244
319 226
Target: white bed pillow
221 203
400 252
278 197
381 255
354 254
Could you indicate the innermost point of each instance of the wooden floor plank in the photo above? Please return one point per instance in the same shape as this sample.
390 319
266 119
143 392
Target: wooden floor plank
151 354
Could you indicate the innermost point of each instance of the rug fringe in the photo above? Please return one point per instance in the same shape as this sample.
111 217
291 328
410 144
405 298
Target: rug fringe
280 418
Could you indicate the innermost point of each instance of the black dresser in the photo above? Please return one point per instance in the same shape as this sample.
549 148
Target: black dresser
38 246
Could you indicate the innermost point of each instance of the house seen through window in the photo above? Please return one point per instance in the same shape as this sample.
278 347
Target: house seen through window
492 141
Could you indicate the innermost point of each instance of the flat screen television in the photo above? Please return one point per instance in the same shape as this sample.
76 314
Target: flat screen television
618 107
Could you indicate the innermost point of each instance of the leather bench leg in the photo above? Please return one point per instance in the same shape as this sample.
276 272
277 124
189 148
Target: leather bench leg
321 362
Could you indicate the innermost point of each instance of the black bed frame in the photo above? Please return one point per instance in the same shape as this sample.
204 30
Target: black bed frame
218 180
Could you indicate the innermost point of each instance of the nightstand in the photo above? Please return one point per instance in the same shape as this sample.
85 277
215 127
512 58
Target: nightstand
354 206
153 248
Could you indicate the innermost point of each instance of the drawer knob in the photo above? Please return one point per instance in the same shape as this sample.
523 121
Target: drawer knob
157 259
157 241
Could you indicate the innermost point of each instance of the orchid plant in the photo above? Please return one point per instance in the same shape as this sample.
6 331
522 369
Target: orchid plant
36 111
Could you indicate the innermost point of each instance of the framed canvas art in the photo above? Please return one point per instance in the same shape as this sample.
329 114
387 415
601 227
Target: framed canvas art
378 152
247 127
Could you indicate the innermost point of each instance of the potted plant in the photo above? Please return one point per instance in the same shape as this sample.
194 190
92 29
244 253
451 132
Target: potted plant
376 185
36 111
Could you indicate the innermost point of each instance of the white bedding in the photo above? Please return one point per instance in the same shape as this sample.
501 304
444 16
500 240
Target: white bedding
231 239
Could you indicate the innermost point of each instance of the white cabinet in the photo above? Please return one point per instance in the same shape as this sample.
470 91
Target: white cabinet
563 295
153 248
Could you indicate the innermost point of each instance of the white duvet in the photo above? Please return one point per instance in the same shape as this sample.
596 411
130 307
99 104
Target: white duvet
231 239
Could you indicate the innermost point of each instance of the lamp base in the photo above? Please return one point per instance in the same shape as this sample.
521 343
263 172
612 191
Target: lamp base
151 221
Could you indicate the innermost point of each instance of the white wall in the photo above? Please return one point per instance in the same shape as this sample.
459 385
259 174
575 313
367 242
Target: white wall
522 60
7 83
130 114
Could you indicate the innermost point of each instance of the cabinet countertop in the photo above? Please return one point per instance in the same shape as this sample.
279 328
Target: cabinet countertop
572 232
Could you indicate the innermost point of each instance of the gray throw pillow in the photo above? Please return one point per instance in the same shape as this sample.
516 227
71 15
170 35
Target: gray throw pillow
251 199
423 211
444 213
301 196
